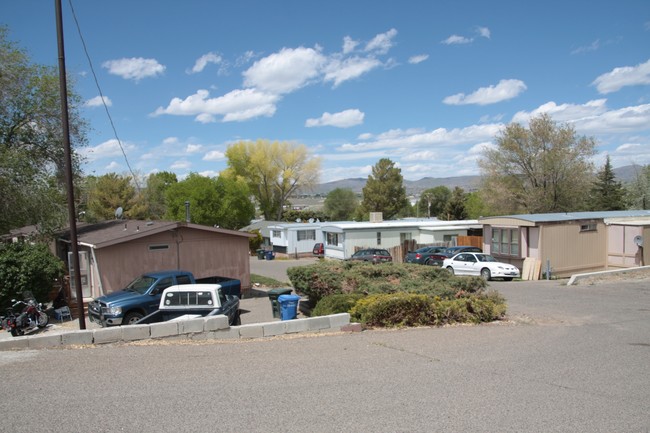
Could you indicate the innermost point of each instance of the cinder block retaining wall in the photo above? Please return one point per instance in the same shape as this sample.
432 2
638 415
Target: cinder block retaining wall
205 328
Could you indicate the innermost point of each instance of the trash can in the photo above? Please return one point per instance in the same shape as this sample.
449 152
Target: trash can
270 255
260 254
274 294
288 306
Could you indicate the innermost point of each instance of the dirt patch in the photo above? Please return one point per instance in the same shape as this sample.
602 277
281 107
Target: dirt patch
615 276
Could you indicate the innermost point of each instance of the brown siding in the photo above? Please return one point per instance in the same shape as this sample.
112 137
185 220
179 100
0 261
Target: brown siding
200 252
571 251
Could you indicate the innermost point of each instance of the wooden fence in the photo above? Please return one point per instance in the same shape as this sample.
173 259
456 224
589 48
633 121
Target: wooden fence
399 252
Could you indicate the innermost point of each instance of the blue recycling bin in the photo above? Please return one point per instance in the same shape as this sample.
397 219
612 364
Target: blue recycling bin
270 255
288 306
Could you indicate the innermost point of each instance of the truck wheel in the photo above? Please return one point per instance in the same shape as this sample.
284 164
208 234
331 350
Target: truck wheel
131 318
237 320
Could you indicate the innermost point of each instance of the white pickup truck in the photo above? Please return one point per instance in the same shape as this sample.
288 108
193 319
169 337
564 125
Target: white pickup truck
192 301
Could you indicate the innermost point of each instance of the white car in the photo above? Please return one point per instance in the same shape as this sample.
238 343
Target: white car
480 264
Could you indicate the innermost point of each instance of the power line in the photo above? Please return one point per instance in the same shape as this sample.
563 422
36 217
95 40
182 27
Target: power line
101 95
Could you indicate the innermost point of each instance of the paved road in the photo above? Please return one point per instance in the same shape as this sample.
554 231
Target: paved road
573 359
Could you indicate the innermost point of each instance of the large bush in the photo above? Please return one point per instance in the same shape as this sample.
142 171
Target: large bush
333 277
25 267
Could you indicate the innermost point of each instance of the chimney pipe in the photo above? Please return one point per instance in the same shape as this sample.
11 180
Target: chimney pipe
187 211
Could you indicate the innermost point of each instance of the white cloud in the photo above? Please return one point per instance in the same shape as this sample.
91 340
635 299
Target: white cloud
343 119
631 148
170 140
135 68
203 61
234 106
99 101
414 60
214 155
506 89
193 148
381 43
564 112
623 76
112 167
585 49
416 138
181 164
209 173
636 118
425 155
484 32
349 44
245 58
107 149
339 71
285 71
457 40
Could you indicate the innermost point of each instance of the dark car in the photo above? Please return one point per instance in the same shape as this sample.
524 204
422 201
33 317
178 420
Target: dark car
422 256
373 255
437 259
319 250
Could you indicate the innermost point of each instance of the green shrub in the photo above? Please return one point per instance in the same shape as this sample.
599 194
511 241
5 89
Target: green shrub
405 309
335 304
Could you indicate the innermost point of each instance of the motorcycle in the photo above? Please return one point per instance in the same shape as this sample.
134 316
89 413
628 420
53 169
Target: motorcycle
32 315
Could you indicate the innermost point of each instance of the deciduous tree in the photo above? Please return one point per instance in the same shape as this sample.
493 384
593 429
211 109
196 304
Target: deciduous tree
455 207
273 171
433 201
542 168
340 204
32 163
638 191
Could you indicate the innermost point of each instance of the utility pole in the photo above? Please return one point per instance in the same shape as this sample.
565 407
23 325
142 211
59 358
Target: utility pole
72 214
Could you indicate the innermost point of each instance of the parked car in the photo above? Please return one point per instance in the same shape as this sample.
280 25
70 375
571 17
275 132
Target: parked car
373 255
422 256
191 301
480 264
437 259
319 250
142 296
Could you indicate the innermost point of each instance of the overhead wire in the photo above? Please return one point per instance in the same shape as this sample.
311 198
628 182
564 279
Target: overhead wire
101 95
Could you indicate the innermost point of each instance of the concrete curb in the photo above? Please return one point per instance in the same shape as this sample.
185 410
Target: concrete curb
578 277
208 328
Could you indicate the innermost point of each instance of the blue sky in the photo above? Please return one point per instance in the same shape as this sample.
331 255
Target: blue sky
427 84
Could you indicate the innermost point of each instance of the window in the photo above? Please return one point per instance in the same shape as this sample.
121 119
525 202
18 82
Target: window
183 279
505 242
590 227
276 234
306 235
332 238
188 299
378 238
405 237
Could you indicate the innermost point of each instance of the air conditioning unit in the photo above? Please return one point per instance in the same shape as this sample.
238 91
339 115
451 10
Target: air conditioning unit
376 217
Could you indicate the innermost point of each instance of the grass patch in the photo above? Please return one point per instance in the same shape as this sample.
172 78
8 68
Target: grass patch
266 281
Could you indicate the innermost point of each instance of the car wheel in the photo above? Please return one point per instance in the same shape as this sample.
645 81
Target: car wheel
131 318
507 279
427 262
485 273
451 270
42 319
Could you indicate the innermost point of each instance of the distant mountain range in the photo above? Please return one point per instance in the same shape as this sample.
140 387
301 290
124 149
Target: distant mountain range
469 183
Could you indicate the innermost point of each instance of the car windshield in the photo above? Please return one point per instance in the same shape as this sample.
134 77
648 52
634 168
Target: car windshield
140 284
485 258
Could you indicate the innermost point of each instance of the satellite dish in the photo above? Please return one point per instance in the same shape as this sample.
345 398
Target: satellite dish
311 220
298 220
638 240
118 213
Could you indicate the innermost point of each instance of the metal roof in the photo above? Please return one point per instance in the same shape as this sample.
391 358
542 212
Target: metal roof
571 216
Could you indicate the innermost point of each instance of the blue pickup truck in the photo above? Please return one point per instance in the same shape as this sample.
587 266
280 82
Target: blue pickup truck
141 296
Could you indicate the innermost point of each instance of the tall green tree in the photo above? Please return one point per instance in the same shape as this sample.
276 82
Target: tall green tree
384 190
340 204
107 193
153 195
607 193
638 191
224 202
32 159
433 201
542 168
273 171
455 208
